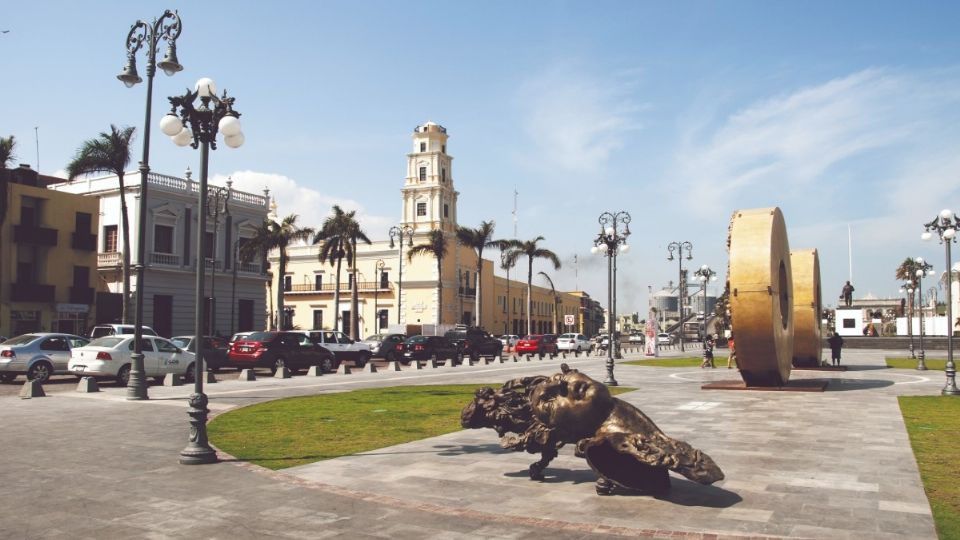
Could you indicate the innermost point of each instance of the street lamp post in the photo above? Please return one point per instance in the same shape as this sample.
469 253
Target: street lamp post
218 200
611 240
705 274
376 291
922 268
167 27
945 225
679 247
400 232
198 126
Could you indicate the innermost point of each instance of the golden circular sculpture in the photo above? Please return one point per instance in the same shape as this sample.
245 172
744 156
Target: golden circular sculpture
761 296
807 307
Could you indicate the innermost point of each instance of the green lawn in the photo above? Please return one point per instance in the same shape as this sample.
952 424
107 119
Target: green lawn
295 431
933 423
911 363
686 361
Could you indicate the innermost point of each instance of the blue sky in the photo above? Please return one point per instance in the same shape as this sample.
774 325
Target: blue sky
844 114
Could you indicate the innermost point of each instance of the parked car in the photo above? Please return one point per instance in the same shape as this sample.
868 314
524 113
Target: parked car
540 344
214 350
636 338
109 356
273 350
101 330
340 344
38 355
577 343
385 346
509 340
2 339
427 347
474 342
664 339
237 337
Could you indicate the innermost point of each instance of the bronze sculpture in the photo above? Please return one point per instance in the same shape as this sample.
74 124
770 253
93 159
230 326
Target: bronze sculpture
620 443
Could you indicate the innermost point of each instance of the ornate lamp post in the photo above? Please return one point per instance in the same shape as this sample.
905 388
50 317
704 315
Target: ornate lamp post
167 27
218 199
922 268
945 225
679 247
705 274
198 128
611 240
400 232
376 290
908 289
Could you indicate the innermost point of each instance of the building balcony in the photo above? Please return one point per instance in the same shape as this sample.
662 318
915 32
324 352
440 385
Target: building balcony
37 236
83 241
365 286
31 292
468 291
165 259
112 259
249 268
81 295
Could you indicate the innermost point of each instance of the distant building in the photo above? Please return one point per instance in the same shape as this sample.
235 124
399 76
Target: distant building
387 302
48 257
239 299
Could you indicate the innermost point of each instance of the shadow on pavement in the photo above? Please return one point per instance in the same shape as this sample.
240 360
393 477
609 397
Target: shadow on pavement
687 493
842 385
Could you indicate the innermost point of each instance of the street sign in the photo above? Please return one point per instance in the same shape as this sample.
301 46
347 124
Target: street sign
568 320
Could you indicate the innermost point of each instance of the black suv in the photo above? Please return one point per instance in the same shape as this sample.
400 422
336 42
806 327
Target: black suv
474 342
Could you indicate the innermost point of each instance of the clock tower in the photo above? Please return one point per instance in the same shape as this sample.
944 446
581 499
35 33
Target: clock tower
429 199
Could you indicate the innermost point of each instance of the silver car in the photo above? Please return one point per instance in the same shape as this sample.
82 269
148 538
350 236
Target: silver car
38 355
575 343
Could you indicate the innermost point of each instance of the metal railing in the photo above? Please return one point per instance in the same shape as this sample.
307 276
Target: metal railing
109 259
369 286
167 259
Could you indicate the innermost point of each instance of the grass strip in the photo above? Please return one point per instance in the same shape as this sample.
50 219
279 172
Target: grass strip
300 430
686 361
911 363
933 423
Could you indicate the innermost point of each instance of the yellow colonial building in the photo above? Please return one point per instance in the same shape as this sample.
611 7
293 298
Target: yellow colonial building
48 257
400 295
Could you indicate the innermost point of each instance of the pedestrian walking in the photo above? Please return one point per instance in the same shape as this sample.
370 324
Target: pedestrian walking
708 345
836 344
732 359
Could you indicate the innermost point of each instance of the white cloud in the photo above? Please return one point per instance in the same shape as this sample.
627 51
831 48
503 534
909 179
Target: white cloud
576 120
310 205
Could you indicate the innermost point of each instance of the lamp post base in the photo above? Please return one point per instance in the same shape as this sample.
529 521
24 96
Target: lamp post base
137 384
912 354
610 381
921 364
198 451
950 389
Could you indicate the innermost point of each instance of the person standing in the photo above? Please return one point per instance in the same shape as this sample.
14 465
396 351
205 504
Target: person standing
732 359
836 344
708 345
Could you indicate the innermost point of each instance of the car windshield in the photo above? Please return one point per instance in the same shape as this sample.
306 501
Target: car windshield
568 336
532 337
181 342
21 340
417 339
258 336
376 337
108 341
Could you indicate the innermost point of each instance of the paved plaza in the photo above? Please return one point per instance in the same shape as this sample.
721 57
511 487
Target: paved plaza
832 465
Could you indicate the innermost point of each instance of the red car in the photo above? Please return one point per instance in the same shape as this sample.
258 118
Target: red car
540 344
271 350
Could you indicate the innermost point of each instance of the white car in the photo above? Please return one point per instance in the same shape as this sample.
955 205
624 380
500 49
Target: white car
664 339
509 340
109 356
571 342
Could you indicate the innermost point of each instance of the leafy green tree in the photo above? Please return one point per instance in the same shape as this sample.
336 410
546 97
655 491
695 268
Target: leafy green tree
110 153
478 239
276 235
530 249
338 240
435 245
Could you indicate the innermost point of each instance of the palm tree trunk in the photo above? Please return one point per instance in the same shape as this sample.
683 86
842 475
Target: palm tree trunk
125 267
529 292
282 271
336 297
271 323
354 301
439 294
479 278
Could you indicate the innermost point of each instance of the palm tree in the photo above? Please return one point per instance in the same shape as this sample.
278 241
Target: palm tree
338 239
518 248
276 235
109 153
7 146
435 245
477 239
506 264
556 300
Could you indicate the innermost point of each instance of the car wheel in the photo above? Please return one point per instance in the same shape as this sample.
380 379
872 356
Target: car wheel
123 376
326 364
363 359
277 364
8 377
40 372
474 357
191 374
